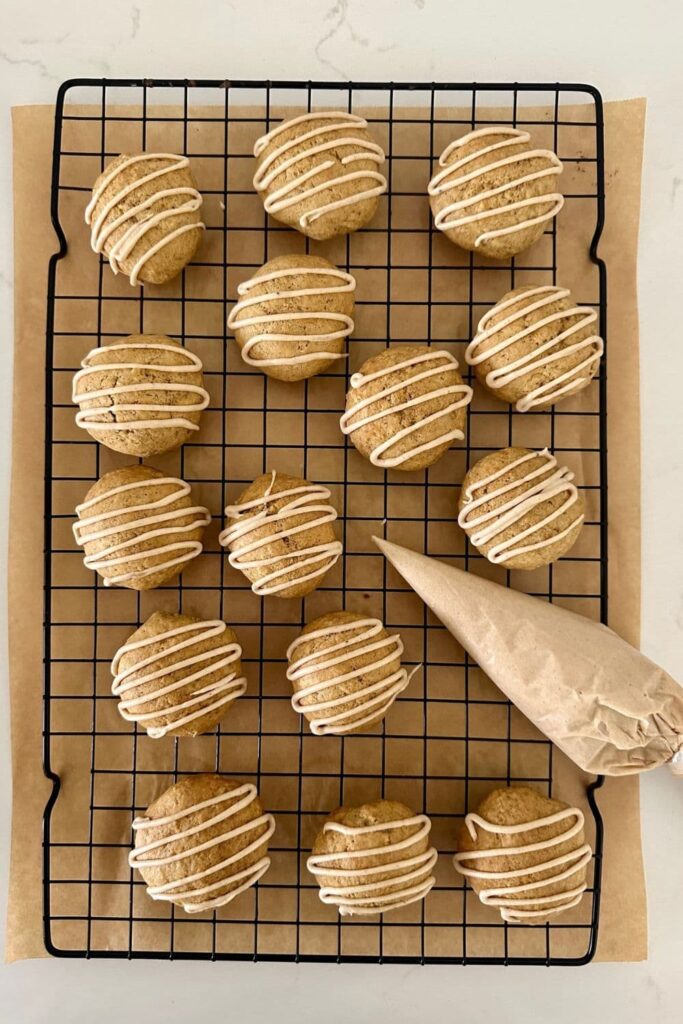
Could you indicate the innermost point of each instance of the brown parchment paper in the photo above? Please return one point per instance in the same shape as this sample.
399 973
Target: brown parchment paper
623 917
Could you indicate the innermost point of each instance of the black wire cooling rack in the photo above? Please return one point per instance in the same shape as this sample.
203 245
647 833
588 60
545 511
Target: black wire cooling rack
452 737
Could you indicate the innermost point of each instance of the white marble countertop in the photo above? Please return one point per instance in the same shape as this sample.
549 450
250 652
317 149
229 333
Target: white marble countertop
626 48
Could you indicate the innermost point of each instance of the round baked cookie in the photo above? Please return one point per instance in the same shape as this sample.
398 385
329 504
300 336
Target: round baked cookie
144 216
177 676
494 193
319 173
405 406
203 842
293 316
525 854
139 528
280 535
373 858
346 672
520 508
535 347
142 395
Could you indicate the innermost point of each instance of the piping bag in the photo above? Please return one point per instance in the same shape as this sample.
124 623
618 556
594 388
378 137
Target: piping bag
608 707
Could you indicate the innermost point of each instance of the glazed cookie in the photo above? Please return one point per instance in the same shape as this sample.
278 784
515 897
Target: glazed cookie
494 193
177 675
280 535
293 316
144 216
319 173
203 842
535 347
520 509
373 858
525 854
346 672
405 407
142 395
139 528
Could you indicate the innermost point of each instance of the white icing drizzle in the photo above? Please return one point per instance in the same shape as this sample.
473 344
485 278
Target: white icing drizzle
412 873
151 520
568 381
140 218
281 198
375 699
446 361
317 558
486 526
268 319
219 692
183 889
455 214
528 905
87 417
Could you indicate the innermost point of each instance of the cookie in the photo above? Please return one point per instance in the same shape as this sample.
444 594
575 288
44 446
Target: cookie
293 316
346 672
203 842
535 347
177 675
142 395
520 509
494 193
524 854
405 407
280 535
373 858
319 173
139 528
144 216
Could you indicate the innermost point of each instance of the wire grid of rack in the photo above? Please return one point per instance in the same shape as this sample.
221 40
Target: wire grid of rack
451 737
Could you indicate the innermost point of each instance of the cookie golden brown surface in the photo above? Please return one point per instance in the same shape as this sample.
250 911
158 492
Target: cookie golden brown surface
142 395
373 858
177 675
139 528
293 316
144 216
346 672
280 535
524 854
535 347
406 406
203 842
520 508
319 173
494 192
